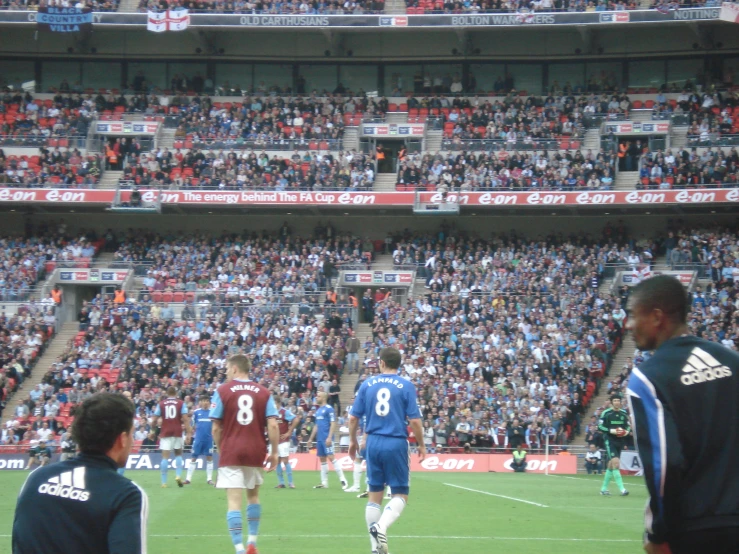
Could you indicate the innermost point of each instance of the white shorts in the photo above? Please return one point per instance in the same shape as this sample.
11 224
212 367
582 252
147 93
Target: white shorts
239 477
283 450
168 444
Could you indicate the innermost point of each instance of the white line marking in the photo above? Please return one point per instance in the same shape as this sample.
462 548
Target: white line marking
498 495
636 482
414 537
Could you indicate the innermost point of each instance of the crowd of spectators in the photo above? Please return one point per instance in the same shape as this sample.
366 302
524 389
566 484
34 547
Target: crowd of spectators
514 122
526 9
270 7
50 168
24 261
33 5
28 122
273 122
509 340
504 170
241 170
712 116
251 268
23 337
284 315
687 168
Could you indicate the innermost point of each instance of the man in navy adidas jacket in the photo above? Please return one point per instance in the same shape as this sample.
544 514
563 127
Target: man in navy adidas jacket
685 405
82 506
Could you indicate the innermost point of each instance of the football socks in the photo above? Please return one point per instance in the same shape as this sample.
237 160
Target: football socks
253 514
235 529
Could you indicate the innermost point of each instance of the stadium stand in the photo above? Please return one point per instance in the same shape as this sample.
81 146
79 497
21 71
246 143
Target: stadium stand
689 169
241 170
28 122
348 7
503 170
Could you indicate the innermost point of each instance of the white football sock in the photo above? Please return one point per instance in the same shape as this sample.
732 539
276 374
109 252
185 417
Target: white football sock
372 515
357 475
324 474
191 469
209 470
338 471
392 511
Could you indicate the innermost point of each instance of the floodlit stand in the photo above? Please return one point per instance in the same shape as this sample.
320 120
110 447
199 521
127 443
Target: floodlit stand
436 204
121 204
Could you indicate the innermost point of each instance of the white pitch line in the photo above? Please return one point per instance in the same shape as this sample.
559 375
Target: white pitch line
414 537
498 495
591 480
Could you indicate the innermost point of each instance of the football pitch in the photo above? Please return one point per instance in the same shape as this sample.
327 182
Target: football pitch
466 513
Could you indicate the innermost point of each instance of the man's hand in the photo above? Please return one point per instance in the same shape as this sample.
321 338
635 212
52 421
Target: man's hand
652 548
353 448
421 452
285 437
272 462
328 441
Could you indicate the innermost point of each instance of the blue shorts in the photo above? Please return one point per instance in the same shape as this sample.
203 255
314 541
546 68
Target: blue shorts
202 448
388 463
322 450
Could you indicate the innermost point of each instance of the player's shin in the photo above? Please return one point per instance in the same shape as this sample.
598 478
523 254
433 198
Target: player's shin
253 515
233 518
339 471
606 480
179 463
372 515
191 468
209 470
163 467
357 475
392 512
324 474
616 473
289 471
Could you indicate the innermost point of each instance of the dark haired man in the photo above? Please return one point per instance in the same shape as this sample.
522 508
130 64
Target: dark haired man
82 506
615 426
685 405
386 402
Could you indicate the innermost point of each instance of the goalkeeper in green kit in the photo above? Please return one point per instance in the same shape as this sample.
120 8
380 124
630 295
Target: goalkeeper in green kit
615 425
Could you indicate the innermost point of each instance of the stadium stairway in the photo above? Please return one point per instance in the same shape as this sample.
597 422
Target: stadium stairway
383 262
396 117
433 141
385 182
166 139
640 115
128 6
351 139
55 348
626 180
396 7
110 179
349 380
678 136
628 346
591 141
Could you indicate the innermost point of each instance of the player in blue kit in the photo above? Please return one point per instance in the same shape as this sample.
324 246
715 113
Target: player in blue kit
325 428
386 401
202 443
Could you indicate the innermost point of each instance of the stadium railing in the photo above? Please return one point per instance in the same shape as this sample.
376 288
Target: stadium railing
713 140
494 145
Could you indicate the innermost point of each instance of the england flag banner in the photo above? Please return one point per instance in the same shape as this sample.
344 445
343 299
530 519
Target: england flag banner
171 20
730 12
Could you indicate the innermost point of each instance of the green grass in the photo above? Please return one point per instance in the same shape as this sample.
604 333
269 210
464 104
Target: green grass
438 519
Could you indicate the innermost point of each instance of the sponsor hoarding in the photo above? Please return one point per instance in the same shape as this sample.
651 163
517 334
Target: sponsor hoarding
370 199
